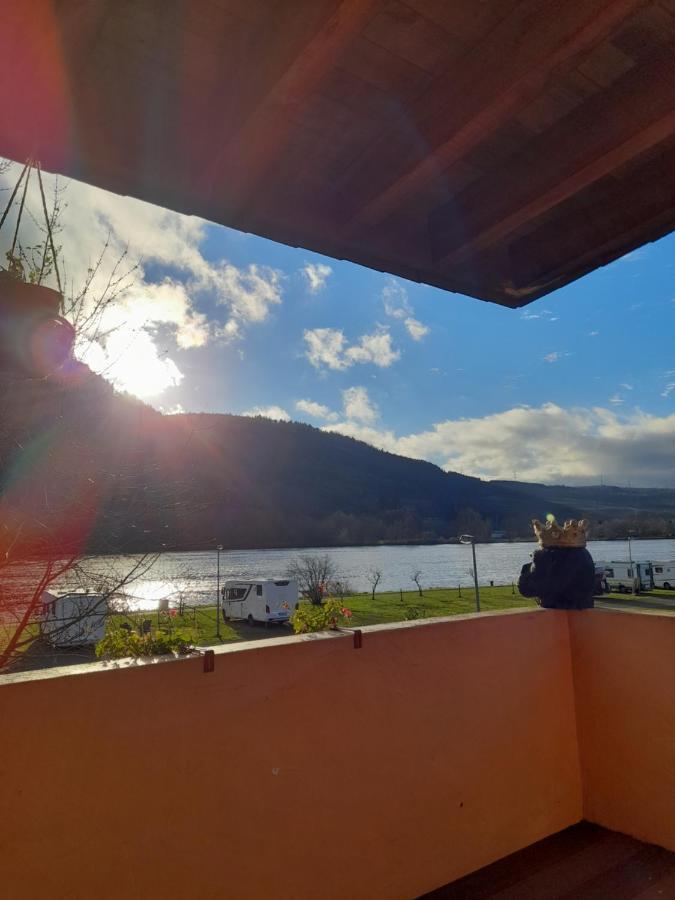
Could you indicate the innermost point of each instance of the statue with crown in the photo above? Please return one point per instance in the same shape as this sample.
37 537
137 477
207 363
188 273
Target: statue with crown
562 572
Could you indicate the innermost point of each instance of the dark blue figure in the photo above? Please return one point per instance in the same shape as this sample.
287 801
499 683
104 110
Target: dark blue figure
560 577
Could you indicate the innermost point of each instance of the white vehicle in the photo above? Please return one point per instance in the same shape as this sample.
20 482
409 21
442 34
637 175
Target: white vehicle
260 600
73 619
626 577
663 574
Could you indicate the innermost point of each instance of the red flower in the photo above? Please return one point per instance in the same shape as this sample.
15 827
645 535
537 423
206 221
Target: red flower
347 613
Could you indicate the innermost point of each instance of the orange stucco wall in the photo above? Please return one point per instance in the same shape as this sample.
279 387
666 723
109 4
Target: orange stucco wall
624 672
302 768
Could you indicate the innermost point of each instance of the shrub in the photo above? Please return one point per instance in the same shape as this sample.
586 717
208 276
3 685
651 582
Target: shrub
120 643
311 617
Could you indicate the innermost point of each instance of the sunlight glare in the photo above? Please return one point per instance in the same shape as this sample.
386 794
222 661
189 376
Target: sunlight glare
133 363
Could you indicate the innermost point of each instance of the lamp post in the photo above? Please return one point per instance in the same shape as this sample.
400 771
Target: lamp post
630 558
218 548
470 539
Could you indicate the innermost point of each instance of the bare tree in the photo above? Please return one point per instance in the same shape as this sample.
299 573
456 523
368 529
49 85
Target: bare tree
51 491
417 578
374 577
340 588
314 575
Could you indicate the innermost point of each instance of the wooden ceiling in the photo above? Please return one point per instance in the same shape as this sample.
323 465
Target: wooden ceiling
496 148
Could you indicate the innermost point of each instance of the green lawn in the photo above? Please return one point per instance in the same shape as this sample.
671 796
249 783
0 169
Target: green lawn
387 607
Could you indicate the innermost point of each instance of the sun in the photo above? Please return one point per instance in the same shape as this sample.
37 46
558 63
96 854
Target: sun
133 363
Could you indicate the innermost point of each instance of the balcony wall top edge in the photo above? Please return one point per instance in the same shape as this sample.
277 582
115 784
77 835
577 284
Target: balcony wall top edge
121 665
300 639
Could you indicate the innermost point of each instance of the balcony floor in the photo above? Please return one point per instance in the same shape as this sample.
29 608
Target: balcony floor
584 862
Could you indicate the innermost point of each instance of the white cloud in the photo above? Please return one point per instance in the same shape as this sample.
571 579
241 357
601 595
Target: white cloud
328 347
316 275
547 443
358 407
269 412
316 410
374 348
163 310
668 390
416 329
626 387
395 299
230 331
593 333
397 306
325 347
555 356
544 314
248 292
616 399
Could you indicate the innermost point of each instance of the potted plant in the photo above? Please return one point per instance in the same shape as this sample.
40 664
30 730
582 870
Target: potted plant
35 339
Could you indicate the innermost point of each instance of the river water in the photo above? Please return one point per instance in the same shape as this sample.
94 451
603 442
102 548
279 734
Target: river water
192 577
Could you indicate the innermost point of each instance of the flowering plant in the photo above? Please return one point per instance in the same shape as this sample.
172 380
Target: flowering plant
312 617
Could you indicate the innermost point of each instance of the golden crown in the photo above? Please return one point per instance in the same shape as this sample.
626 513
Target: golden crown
572 534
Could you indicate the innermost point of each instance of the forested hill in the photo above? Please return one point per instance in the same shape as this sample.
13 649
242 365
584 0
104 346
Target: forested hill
87 464
80 463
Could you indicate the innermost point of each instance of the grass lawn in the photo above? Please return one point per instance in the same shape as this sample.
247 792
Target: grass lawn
387 607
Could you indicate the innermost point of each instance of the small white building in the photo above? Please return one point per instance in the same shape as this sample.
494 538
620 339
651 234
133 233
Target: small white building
73 619
260 599
663 574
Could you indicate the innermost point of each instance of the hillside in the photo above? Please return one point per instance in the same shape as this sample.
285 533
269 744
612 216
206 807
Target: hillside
612 509
82 466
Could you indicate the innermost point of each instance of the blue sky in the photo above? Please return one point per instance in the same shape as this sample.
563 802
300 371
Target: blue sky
606 340
576 387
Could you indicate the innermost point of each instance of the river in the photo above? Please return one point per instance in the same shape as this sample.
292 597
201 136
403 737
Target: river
193 576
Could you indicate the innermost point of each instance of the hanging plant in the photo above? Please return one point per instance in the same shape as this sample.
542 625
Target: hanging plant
35 339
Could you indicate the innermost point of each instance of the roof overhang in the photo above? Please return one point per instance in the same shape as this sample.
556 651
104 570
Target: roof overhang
499 148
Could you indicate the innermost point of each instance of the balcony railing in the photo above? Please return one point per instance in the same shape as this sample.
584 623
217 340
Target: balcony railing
304 767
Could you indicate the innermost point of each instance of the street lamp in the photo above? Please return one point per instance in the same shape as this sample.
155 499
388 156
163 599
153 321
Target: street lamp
470 539
630 558
218 548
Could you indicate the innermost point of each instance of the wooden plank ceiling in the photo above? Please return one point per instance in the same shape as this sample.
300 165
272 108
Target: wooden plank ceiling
492 147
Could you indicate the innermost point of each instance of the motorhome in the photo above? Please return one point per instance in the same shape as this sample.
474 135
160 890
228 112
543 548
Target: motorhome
260 600
627 577
663 574
74 619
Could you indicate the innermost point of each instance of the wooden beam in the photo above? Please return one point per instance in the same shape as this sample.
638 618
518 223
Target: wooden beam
570 245
607 132
249 155
482 107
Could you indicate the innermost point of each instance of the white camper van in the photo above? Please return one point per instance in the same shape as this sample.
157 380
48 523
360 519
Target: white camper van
73 619
663 574
260 600
626 577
